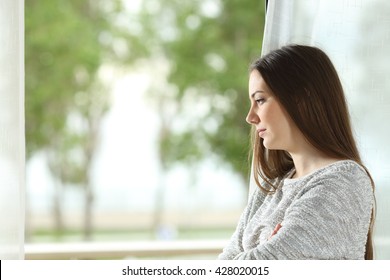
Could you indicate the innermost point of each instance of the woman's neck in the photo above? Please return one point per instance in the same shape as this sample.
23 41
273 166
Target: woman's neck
309 161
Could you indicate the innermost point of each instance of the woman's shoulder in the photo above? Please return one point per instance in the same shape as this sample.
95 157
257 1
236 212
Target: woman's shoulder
344 166
343 170
337 170
341 176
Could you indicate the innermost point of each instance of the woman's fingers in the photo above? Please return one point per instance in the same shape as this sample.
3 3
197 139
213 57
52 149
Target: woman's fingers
275 231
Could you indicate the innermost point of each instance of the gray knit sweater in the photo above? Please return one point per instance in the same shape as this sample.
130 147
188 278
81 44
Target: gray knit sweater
324 215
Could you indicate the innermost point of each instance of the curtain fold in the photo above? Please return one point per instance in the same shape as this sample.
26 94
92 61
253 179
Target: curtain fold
12 151
356 35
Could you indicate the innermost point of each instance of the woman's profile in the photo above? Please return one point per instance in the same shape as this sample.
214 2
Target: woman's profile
315 198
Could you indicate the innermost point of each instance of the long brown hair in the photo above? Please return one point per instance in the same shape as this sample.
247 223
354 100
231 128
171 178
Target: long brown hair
305 82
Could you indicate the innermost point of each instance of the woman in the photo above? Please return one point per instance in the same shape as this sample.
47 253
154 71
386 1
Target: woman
315 198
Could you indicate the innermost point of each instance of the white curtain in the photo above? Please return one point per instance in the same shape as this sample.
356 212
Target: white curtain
356 35
12 129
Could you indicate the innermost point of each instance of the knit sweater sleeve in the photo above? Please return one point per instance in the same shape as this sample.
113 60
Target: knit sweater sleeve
328 219
235 248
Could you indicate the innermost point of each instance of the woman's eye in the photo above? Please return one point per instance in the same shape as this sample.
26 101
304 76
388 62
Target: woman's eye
260 101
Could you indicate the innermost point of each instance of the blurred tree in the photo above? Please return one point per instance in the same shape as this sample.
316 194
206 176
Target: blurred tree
65 45
206 46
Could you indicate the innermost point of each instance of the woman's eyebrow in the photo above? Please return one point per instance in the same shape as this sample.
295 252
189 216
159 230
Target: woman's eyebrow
257 91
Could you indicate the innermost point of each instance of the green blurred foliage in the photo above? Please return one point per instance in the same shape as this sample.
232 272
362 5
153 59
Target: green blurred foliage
205 47
62 56
209 46
66 43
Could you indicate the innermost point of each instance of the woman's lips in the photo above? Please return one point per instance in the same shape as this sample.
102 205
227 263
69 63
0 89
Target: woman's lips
261 131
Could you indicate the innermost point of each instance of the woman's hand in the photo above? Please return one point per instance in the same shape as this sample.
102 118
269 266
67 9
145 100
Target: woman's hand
275 231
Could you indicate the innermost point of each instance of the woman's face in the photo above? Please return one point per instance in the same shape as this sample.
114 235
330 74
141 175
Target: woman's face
272 122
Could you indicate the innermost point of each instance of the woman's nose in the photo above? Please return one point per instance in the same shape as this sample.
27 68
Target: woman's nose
252 118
